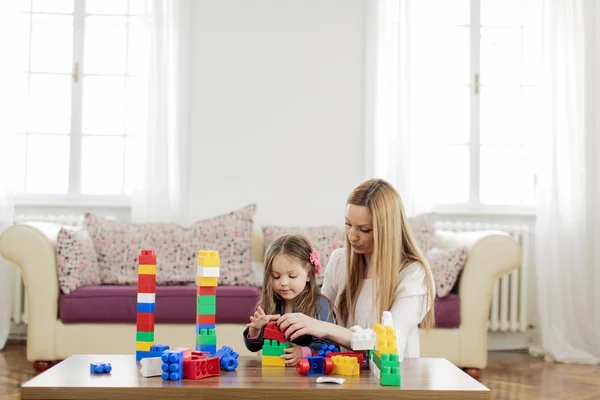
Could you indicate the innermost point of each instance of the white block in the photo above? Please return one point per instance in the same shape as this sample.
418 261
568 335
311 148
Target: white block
207 272
363 340
151 366
146 298
387 319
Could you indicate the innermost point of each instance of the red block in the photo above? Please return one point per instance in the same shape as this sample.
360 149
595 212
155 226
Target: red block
205 319
147 257
358 355
146 283
198 367
206 291
273 332
145 322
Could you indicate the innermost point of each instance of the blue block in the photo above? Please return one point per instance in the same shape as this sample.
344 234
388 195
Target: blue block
326 349
172 365
204 326
145 307
159 348
228 358
100 368
147 354
317 365
211 348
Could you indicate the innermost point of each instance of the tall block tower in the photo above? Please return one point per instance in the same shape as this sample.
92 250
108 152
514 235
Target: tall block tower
146 299
207 276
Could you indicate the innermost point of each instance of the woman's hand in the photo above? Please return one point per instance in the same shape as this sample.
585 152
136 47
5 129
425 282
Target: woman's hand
298 324
293 354
258 320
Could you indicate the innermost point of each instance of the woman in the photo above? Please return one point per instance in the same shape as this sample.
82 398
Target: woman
380 269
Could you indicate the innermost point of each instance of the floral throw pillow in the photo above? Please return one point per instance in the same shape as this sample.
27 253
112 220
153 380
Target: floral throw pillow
325 239
76 260
446 266
118 245
423 230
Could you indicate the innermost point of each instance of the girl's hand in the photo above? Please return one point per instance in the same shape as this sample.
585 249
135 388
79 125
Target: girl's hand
258 320
293 354
298 324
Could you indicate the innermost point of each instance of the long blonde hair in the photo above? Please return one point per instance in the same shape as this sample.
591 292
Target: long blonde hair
299 247
390 228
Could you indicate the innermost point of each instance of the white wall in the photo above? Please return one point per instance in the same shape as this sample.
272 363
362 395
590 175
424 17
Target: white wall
276 108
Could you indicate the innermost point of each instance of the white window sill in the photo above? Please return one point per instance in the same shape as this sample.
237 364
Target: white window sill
73 201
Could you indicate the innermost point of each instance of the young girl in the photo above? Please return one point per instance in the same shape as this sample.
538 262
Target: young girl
381 269
291 265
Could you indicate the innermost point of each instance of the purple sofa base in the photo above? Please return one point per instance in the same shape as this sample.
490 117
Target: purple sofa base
177 304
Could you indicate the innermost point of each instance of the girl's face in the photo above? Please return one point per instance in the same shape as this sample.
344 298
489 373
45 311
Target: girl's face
359 229
288 277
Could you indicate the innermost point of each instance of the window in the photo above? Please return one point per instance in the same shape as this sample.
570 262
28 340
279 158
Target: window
80 96
474 69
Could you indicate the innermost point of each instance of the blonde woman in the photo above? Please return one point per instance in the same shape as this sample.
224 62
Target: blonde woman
380 269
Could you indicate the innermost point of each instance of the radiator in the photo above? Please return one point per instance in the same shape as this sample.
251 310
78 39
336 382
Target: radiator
19 311
508 311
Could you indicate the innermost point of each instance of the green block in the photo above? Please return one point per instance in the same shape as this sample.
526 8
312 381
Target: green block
390 377
144 336
274 348
206 309
387 361
206 339
206 301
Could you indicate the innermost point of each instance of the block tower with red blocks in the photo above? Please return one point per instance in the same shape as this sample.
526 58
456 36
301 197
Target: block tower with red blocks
146 299
207 276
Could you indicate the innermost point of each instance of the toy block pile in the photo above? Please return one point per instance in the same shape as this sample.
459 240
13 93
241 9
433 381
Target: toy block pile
274 345
207 275
146 298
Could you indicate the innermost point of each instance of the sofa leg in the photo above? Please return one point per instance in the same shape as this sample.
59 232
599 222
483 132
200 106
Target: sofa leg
474 373
41 366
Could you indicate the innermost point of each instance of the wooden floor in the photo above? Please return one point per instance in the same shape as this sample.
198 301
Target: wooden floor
510 375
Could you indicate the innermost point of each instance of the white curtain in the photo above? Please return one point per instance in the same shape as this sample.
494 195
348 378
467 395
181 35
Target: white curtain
568 209
9 75
160 154
393 151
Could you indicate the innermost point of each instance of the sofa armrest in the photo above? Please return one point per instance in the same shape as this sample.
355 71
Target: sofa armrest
492 254
31 247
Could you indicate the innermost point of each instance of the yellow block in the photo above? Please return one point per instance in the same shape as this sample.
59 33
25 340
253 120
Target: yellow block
143 346
147 269
379 328
273 360
390 349
202 281
344 365
208 258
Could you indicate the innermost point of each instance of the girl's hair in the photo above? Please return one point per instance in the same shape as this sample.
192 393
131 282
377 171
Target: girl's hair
300 248
390 228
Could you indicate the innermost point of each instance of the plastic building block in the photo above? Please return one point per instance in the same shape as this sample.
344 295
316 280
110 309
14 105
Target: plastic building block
147 257
145 307
206 291
100 368
209 348
160 348
198 367
387 319
359 356
143 346
326 349
144 337
363 340
151 366
207 272
208 258
145 322
314 365
155 351
206 336
330 379
273 332
274 348
273 361
343 365
146 284
146 269
200 327
390 376
228 358
205 319
201 281
172 365
146 297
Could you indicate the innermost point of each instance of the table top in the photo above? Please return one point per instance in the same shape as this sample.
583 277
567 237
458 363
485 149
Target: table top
420 376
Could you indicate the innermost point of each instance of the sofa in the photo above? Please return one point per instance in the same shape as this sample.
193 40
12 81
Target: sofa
101 319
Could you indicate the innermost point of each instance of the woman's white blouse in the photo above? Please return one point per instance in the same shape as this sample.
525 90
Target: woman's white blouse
409 307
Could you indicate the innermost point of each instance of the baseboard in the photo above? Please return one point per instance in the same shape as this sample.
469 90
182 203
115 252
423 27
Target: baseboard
17 332
503 341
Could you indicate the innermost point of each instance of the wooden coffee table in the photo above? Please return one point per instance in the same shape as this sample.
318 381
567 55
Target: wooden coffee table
423 378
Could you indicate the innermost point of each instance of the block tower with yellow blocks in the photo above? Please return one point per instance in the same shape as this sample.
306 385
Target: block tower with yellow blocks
146 299
385 358
207 277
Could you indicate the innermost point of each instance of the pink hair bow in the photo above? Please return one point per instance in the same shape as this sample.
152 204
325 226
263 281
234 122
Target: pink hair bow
314 260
